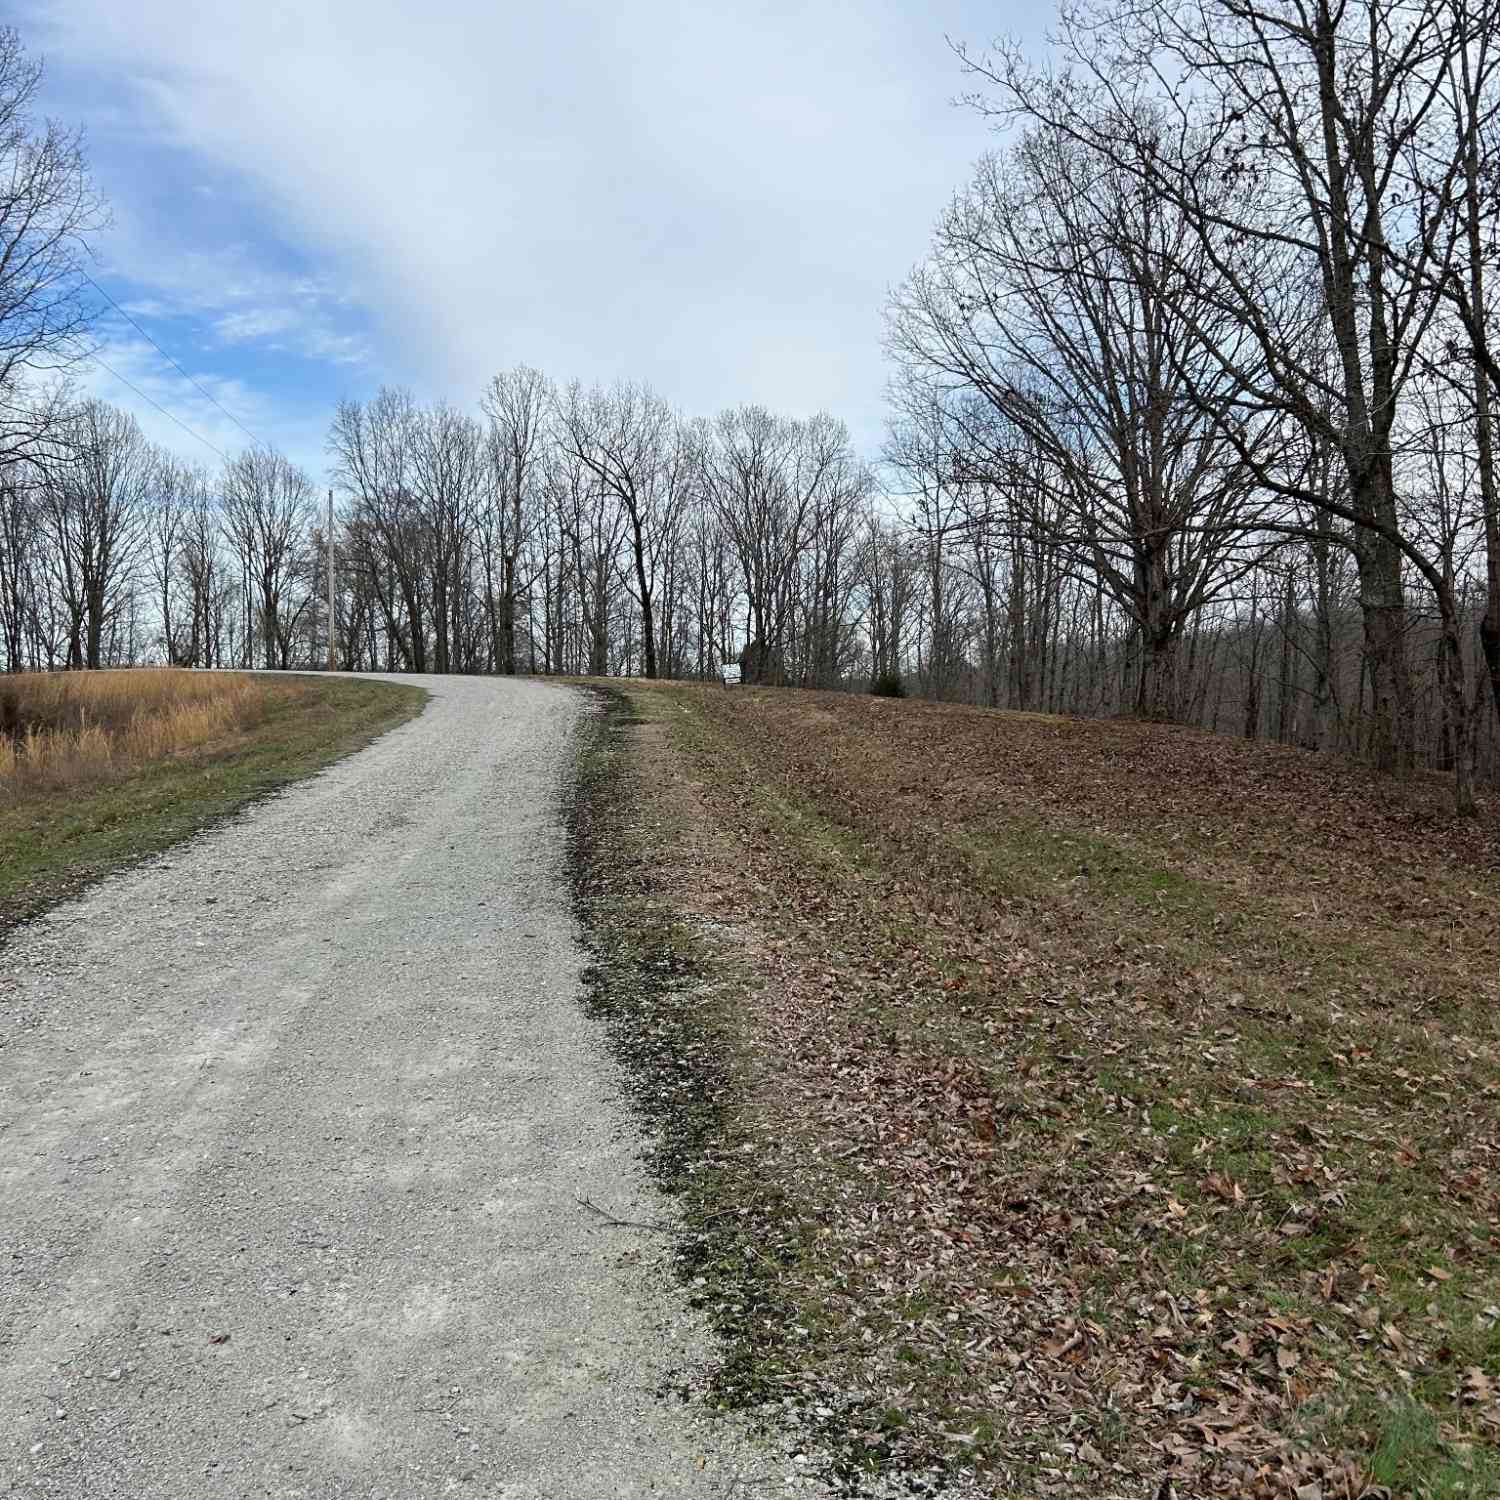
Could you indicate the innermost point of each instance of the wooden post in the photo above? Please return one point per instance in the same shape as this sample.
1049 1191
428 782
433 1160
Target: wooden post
333 634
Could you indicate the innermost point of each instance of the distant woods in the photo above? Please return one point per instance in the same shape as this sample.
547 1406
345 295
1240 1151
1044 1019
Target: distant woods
1193 411
557 530
596 531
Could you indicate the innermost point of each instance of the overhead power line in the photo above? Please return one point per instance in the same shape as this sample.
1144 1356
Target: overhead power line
197 436
207 395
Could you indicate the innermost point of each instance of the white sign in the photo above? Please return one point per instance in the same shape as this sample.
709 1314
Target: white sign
731 674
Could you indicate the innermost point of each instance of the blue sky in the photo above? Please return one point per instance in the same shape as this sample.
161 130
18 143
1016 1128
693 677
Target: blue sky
311 200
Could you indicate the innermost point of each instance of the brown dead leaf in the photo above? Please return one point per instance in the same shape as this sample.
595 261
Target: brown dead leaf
1221 1185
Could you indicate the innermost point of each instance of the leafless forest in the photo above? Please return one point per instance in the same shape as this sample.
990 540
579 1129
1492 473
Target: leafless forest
1192 418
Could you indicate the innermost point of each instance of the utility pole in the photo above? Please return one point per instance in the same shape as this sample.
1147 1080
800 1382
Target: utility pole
333 633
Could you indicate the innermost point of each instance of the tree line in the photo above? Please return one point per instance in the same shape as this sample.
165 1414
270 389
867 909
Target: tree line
560 530
1210 339
1192 419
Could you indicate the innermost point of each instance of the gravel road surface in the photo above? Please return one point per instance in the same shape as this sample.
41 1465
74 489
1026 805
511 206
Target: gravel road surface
294 1122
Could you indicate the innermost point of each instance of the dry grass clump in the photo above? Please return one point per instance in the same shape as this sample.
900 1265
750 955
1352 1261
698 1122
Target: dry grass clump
57 728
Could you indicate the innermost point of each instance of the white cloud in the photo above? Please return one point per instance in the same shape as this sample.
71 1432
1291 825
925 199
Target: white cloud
293 330
238 299
350 349
258 323
712 197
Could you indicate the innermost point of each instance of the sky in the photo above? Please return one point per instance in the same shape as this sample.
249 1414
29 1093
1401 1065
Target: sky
311 200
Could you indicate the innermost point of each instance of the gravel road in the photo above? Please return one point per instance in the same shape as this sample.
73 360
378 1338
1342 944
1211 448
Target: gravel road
294 1122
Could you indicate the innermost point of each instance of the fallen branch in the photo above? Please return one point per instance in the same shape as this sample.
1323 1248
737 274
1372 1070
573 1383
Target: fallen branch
618 1223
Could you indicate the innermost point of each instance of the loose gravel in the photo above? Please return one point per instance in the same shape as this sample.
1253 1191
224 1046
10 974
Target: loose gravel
294 1126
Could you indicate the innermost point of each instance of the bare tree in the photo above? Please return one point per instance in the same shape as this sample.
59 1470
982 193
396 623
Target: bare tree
1298 142
888 572
179 492
936 480
1073 300
97 474
203 572
48 207
518 404
1454 181
371 444
769 481
268 505
626 437
22 570
446 468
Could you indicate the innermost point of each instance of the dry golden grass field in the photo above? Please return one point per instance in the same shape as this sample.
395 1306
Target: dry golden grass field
99 768
63 728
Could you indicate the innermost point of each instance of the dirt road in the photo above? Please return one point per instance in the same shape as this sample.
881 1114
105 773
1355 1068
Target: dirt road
294 1123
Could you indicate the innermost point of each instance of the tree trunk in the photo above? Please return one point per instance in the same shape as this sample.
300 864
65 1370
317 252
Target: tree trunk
1459 711
1382 601
1285 685
1156 691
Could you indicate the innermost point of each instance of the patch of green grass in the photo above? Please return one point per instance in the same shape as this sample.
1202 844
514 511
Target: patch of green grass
53 842
1411 1456
1191 919
1028 858
825 843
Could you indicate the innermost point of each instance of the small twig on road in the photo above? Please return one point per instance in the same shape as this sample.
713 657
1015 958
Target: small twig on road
618 1223
742 1486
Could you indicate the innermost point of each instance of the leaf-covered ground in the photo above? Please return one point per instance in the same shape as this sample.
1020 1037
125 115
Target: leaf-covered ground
1105 1109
